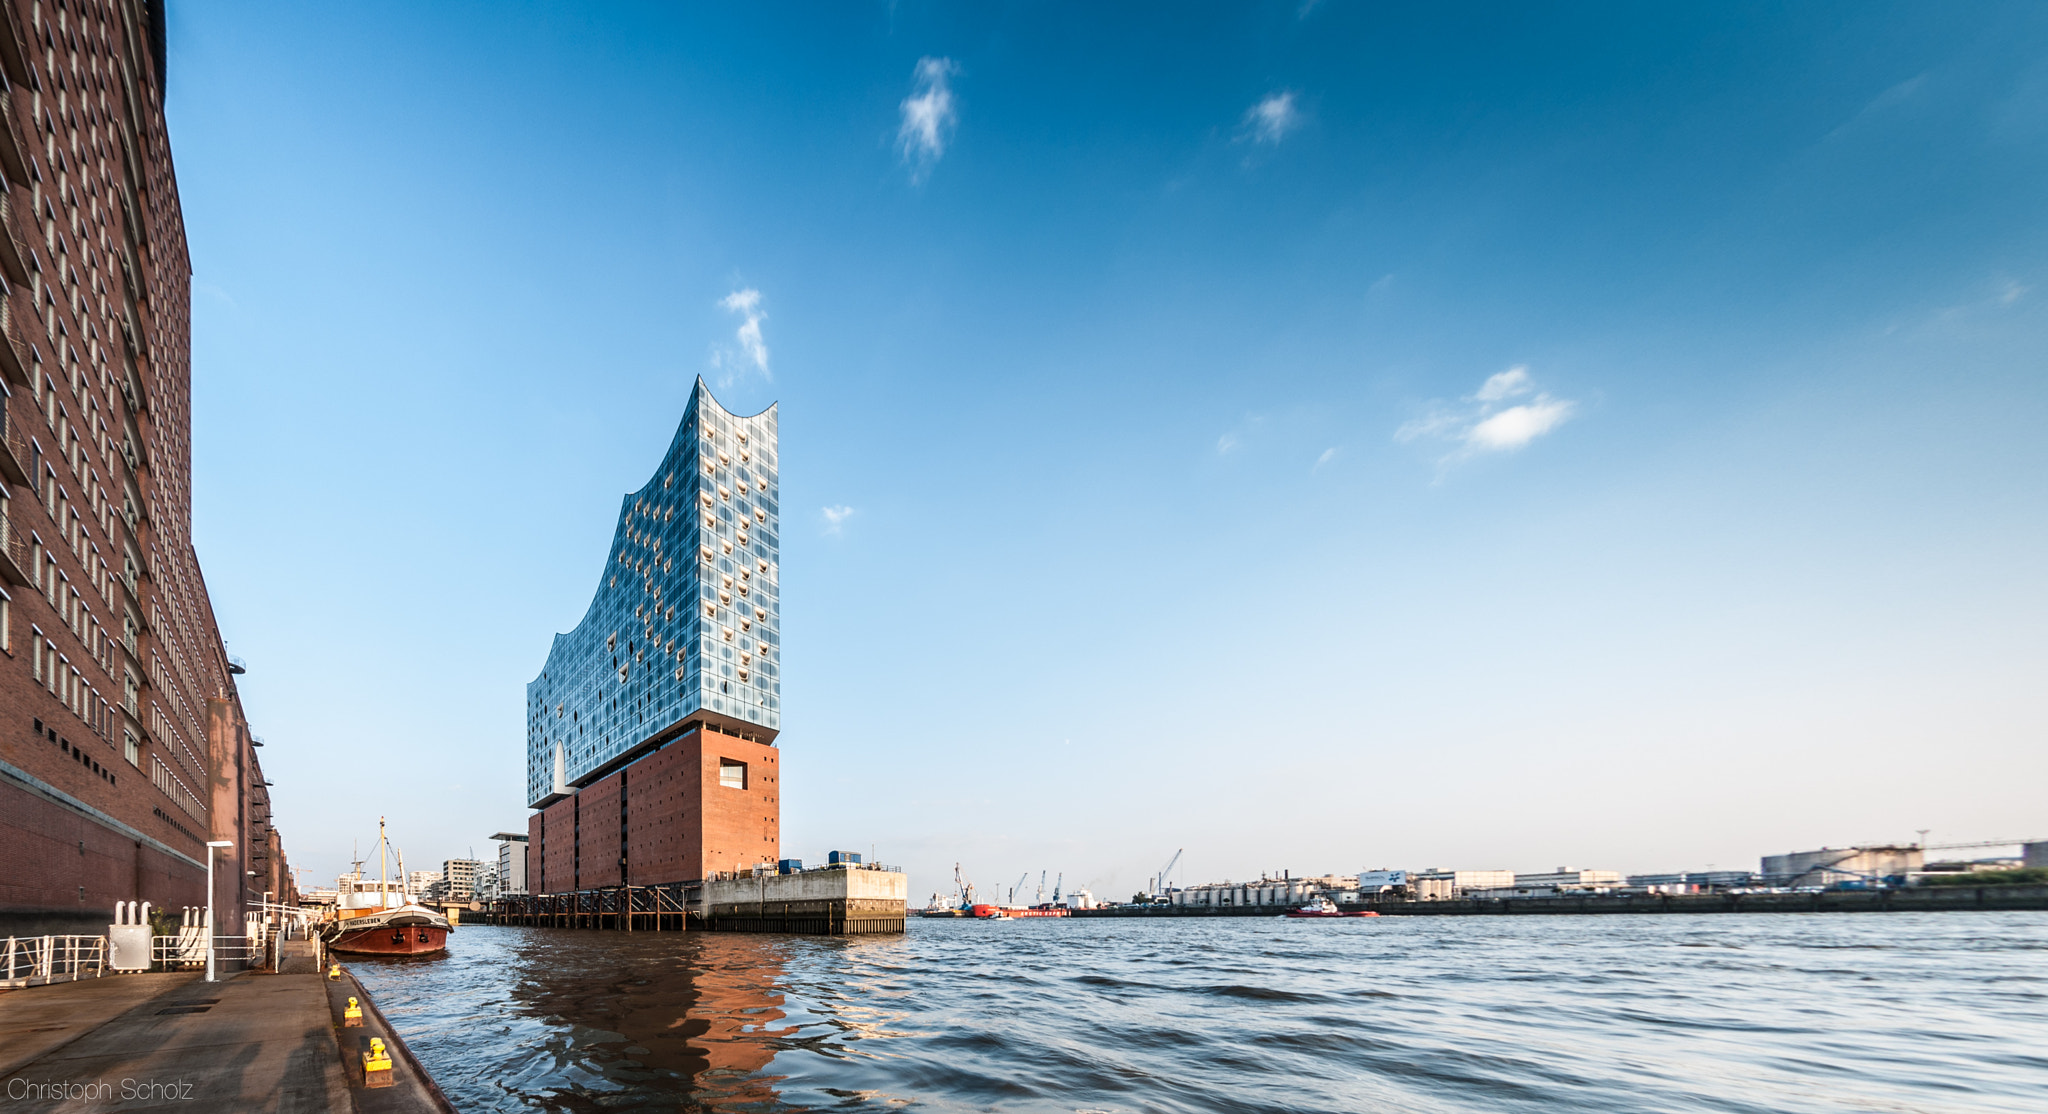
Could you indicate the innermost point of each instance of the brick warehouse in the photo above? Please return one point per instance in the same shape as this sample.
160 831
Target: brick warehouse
123 746
651 754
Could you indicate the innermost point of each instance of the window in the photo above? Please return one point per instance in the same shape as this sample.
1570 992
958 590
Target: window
732 774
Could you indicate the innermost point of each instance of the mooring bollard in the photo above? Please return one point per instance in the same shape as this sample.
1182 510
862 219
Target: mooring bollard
352 1017
376 1065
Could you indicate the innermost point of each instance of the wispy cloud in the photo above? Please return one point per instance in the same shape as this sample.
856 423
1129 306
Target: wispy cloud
929 116
1272 118
835 518
752 350
1505 384
1329 455
1505 413
1888 101
1226 443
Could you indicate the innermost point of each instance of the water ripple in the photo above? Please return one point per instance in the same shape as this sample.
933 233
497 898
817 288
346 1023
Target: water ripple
1766 1014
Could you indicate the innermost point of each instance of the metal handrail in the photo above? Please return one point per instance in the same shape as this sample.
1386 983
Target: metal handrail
36 960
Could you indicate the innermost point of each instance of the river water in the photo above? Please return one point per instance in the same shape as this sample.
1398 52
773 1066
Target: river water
1763 1013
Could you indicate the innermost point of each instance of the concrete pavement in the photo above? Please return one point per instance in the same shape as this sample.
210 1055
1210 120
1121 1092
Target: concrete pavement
253 1042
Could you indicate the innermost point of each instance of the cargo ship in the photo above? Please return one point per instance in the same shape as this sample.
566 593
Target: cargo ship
379 917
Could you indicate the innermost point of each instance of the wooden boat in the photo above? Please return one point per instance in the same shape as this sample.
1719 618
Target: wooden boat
379 917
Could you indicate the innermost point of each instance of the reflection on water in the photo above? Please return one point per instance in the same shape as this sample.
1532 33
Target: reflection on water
1765 1013
586 1020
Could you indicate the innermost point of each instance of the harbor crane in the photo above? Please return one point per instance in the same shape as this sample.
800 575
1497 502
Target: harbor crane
1056 884
1021 879
1159 882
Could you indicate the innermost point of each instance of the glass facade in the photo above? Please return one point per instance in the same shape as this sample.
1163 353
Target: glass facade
686 618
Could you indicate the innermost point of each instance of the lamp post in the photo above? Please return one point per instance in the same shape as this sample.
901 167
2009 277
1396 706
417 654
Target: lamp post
209 903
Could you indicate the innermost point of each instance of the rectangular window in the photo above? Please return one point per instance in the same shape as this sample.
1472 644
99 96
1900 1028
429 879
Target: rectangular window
732 774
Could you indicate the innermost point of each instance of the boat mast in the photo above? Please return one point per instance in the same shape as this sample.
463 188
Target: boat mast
383 869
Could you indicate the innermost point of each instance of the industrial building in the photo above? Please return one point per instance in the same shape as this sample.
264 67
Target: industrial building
650 743
128 751
1884 864
1285 891
1443 885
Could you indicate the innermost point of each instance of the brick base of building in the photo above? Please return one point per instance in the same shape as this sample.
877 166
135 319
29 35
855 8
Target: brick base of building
667 817
61 870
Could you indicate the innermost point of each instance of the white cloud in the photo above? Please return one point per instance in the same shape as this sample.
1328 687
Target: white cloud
1271 119
1329 455
1518 425
928 116
1226 442
1506 384
1486 422
753 350
835 517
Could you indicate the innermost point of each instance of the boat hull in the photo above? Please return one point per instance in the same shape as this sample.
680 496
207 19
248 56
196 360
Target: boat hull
1326 916
391 940
1006 912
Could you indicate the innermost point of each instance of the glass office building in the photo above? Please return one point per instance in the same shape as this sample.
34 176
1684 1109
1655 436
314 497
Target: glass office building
685 625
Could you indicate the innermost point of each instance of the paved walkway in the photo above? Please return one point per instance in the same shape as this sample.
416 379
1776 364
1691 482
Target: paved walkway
254 1042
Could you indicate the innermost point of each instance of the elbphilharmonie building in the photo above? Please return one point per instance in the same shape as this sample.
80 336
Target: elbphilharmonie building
650 731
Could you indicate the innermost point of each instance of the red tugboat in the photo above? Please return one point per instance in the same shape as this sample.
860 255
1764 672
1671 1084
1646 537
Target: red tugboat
380 918
1005 912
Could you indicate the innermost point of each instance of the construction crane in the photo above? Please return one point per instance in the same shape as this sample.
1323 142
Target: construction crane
1159 882
1021 879
962 887
1056 883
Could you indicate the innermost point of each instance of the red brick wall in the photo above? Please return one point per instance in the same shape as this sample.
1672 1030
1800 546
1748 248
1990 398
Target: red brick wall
741 826
560 860
681 825
536 863
598 822
47 852
662 804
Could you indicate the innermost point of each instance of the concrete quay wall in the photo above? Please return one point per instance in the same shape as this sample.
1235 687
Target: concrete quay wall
821 902
816 902
1910 899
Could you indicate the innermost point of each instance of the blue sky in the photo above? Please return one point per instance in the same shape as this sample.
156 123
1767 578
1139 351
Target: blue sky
1318 437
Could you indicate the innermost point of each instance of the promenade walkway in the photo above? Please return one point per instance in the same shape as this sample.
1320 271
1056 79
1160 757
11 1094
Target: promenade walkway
251 1042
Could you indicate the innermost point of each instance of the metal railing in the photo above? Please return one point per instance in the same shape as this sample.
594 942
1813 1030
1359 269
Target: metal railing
187 951
36 960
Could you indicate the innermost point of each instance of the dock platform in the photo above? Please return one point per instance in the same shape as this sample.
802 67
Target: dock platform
252 1041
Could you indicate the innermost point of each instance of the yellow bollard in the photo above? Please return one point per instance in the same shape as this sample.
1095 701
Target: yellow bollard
334 972
376 1065
352 1017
